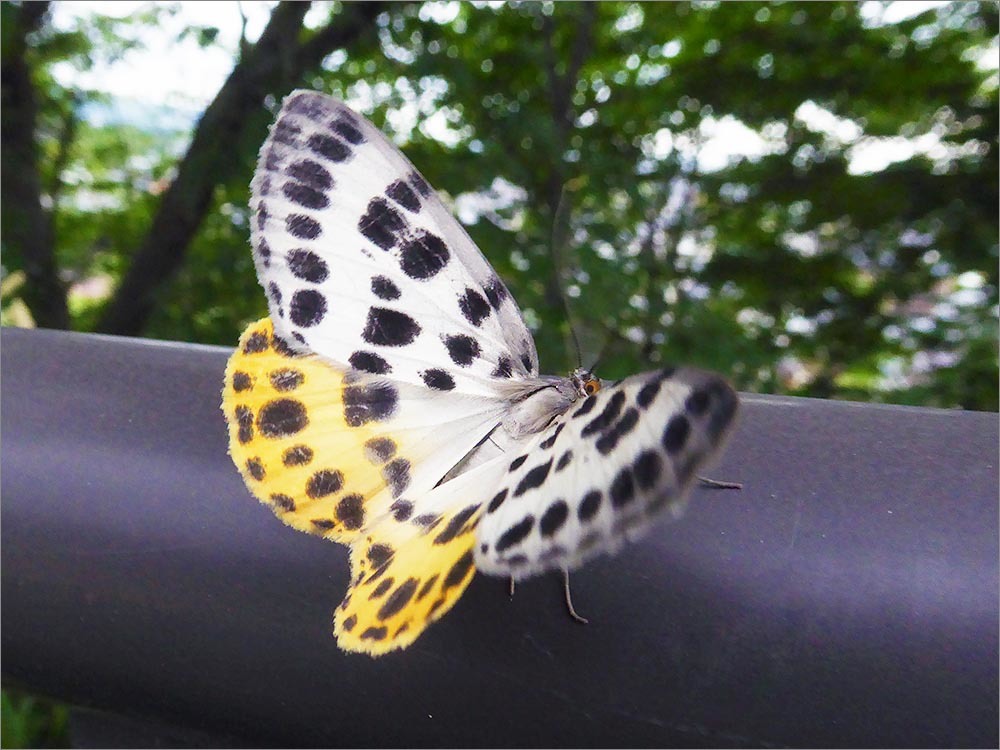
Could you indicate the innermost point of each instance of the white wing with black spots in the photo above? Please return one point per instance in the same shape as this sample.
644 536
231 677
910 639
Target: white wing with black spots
363 265
602 471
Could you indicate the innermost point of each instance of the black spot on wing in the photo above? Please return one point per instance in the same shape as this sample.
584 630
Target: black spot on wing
282 502
551 439
504 368
609 440
474 307
675 434
307 308
603 420
420 184
264 251
351 511
426 588
724 403
374 402
307 104
647 469
255 468
403 194
308 266
305 196
458 571
648 393
462 349
242 381
586 407
496 292
386 327
438 379
285 132
244 419
382 588
515 534
282 417
323 483
328 147
622 488
281 347
398 599
401 510
310 173
423 256
553 518
534 478
497 501
384 288
589 506
697 402
347 131
369 362
382 224
286 379
303 227
255 343
297 455
380 450
375 634
397 475
456 524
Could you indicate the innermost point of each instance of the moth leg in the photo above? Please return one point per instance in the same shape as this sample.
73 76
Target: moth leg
512 587
715 484
569 600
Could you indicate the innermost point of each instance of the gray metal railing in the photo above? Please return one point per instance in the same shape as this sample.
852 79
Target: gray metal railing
846 596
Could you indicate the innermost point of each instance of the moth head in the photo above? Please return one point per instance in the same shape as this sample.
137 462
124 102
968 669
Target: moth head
585 382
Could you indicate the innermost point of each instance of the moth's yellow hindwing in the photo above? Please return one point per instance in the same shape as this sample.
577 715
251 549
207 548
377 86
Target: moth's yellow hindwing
404 578
310 443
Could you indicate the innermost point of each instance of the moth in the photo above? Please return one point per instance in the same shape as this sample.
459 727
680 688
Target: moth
391 401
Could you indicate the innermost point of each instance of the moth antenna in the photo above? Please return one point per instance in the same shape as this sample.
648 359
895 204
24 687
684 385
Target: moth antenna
559 234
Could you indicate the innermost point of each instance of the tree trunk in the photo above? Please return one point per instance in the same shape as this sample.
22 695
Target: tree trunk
278 60
27 226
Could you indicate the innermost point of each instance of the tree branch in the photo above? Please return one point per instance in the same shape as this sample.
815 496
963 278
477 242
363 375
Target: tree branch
561 88
27 226
277 61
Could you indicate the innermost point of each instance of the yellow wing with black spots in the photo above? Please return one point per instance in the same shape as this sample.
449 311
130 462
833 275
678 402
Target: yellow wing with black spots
404 576
331 450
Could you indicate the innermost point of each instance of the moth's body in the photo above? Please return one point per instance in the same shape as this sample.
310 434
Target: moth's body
392 400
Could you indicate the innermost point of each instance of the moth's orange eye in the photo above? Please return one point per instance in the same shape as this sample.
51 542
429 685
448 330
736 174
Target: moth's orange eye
592 386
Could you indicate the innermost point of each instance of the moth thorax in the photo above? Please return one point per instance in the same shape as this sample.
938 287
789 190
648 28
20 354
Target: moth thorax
548 398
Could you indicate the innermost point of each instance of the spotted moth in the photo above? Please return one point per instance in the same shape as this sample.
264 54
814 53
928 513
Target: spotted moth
392 402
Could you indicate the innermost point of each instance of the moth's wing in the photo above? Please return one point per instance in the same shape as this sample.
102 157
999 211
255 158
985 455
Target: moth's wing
600 473
364 266
407 574
332 451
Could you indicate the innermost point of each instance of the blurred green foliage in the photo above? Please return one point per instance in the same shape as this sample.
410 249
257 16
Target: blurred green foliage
596 138
27 721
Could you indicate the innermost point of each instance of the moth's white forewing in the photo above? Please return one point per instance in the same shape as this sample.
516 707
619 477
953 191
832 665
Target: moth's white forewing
364 265
603 470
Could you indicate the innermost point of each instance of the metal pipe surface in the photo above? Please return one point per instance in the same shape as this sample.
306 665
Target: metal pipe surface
847 596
